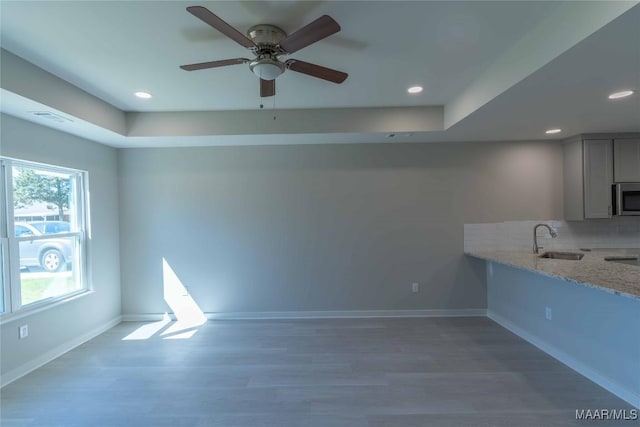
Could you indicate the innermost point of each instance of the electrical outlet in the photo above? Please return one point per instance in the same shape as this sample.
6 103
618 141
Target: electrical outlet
415 287
547 313
23 332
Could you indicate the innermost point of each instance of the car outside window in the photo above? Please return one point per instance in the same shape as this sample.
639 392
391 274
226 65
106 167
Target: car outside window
51 227
21 230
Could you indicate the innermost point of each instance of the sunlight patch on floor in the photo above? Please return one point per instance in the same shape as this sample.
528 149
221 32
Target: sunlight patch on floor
145 332
186 311
181 335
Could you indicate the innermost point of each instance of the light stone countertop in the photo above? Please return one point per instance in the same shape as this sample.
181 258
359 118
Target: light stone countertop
592 270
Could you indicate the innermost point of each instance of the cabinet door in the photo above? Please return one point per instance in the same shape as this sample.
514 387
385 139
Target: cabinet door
626 160
573 182
598 178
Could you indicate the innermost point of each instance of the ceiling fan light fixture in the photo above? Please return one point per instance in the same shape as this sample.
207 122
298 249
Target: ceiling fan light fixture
267 68
621 94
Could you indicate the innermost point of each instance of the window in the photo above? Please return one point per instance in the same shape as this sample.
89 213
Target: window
2 274
43 233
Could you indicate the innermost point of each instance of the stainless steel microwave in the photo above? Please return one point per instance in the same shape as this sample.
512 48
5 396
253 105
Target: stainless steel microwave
626 198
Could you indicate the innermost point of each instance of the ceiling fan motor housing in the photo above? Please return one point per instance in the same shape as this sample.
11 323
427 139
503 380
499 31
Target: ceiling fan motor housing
265 34
266 37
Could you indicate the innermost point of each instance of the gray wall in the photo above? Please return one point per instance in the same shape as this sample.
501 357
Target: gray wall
326 227
64 323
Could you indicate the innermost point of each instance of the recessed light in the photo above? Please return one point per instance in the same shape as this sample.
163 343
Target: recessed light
554 131
622 94
415 89
143 95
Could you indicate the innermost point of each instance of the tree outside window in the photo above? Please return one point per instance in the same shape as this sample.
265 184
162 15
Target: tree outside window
31 187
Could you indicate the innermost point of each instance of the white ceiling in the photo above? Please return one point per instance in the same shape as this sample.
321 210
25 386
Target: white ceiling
497 70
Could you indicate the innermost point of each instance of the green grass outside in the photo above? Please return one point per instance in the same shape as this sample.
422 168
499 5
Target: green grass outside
37 288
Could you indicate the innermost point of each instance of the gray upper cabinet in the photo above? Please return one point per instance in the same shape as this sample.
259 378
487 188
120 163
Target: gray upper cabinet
588 176
598 178
626 160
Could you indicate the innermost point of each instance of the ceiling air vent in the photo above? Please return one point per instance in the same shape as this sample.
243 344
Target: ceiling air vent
51 116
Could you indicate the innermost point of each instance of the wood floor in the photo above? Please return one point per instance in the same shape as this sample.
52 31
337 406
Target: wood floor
333 372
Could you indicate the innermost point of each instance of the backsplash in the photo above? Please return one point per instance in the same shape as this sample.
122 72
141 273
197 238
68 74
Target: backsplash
619 232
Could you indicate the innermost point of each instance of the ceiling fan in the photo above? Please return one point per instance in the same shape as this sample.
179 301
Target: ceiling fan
268 43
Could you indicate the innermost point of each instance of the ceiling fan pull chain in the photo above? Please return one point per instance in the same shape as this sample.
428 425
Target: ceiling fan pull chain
273 107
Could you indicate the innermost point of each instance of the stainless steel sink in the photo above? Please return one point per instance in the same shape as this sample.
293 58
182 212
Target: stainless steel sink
573 256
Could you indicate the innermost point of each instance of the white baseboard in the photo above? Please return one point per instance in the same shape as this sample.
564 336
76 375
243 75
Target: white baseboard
56 352
602 380
333 314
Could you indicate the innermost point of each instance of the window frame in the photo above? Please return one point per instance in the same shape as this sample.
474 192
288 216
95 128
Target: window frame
10 257
5 279
5 295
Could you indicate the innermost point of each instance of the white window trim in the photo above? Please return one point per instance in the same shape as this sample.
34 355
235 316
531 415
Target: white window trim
4 280
13 308
4 249
36 307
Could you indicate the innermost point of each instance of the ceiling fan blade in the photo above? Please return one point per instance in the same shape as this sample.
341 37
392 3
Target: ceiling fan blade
310 33
214 64
207 16
314 70
267 88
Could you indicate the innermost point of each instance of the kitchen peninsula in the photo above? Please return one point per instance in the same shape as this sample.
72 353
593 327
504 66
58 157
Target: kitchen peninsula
585 313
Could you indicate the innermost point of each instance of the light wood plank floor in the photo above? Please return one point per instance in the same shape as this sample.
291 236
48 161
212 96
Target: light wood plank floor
333 372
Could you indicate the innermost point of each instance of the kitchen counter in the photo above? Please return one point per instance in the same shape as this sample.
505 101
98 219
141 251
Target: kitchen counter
592 270
584 313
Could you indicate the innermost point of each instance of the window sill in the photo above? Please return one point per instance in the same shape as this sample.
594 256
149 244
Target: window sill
23 312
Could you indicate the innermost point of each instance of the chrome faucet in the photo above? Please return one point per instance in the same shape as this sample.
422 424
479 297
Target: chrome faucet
535 236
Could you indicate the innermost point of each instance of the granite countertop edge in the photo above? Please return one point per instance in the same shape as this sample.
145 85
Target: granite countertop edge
591 271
